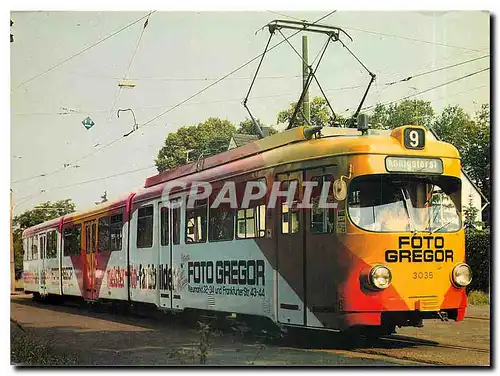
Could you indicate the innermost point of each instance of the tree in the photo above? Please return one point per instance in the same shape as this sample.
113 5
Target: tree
41 213
207 138
414 112
320 113
471 136
470 221
247 127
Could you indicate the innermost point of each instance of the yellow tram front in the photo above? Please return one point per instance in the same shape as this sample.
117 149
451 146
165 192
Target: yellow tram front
402 241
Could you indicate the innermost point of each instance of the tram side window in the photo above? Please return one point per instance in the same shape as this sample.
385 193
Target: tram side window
196 223
221 223
25 248
322 219
110 233
251 222
29 251
35 248
289 213
176 226
104 235
72 240
116 229
145 227
164 226
51 251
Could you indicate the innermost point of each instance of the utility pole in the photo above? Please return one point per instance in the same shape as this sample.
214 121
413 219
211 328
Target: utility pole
306 109
12 263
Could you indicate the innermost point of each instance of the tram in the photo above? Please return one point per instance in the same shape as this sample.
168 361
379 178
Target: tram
376 242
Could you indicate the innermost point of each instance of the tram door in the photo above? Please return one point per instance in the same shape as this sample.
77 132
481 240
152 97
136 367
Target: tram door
90 247
42 288
169 247
320 249
290 251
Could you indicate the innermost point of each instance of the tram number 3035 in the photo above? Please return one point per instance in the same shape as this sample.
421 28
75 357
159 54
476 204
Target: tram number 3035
423 275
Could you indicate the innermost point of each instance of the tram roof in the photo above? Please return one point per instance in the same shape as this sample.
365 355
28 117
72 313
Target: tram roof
50 224
347 140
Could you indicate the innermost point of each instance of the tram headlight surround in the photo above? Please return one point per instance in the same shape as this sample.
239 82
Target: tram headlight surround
461 276
380 277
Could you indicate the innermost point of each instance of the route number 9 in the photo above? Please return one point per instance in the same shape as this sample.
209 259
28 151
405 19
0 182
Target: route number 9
414 138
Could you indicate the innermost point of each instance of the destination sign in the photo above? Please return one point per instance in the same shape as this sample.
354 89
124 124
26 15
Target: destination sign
422 165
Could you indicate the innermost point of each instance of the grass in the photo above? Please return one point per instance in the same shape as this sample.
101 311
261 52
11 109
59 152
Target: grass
24 350
478 298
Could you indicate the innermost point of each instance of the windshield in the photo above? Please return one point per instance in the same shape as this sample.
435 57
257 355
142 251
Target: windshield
402 203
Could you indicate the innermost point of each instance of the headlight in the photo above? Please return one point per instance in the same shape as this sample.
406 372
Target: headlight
380 277
461 275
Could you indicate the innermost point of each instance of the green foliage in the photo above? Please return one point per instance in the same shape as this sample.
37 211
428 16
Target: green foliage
472 139
478 298
477 248
471 212
41 213
246 127
321 114
18 250
406 112
471 136
207 138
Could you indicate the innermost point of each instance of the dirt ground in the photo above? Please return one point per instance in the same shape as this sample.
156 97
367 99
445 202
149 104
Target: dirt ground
103 338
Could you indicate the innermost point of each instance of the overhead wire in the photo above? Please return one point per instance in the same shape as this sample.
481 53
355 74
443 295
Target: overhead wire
76 112
407 77
79 53
85 182
411 39
429 89
27 198
180 103
134 54
365 108
225 76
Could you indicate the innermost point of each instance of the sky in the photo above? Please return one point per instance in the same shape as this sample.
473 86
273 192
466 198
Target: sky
181 53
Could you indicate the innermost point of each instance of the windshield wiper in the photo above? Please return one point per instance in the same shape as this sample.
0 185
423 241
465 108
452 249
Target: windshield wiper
443 226
406 198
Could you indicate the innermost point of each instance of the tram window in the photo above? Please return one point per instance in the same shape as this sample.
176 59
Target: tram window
176 226
196 223
116 228
51 251
322 219
402 203
94 235
87 238
289 218
251 222
221 223
164 226
72 240
103 236
35 248
25 247
145 227
29 250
